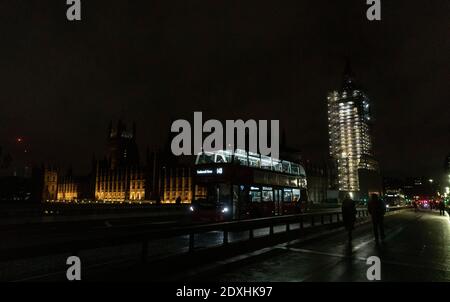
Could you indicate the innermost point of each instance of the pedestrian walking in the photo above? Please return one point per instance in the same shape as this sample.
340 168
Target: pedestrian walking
442 208
348 215
377 209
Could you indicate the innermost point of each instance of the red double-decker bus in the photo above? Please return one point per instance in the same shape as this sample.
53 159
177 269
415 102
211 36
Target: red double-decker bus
238 185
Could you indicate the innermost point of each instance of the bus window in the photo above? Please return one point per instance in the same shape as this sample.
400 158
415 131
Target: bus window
240 157
254 160
220 159
287 195
255 196
223 156
295 169
267 194
296 194
277 165
286 166
205 158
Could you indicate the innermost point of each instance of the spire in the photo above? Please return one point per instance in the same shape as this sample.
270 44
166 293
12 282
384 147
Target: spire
349 76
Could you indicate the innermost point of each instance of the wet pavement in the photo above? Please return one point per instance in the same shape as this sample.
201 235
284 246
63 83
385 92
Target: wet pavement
416 248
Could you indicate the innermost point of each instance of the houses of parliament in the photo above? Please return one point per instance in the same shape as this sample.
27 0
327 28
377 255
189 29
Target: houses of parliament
121 176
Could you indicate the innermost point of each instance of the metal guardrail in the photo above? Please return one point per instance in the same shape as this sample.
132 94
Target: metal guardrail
75 246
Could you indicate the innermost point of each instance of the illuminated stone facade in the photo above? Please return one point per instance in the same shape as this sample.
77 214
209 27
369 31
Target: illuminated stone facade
176 182
120 184
68 189
119 176
75 188
44 183
50 186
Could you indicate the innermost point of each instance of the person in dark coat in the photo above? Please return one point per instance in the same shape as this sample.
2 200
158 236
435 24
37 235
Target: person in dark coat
442 208
349 215
178 200
377 209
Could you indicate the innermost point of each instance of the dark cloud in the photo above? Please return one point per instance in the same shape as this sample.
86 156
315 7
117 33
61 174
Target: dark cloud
152 61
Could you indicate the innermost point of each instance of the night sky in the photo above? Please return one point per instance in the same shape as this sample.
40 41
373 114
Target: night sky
153 61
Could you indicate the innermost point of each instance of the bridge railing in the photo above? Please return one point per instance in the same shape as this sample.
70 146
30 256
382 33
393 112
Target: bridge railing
74 247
